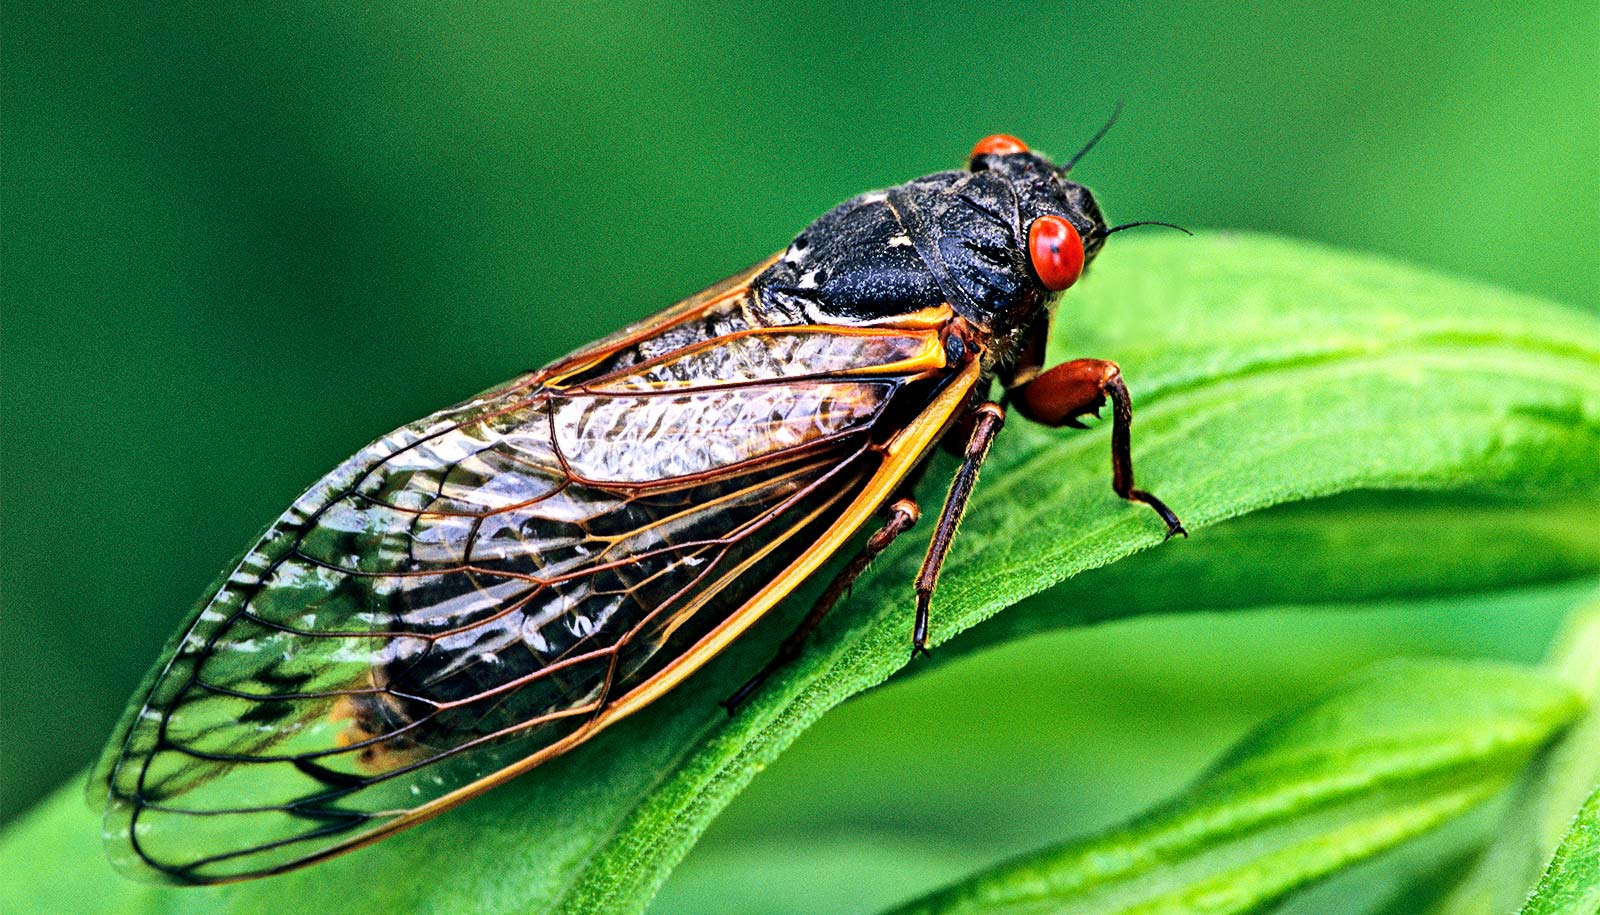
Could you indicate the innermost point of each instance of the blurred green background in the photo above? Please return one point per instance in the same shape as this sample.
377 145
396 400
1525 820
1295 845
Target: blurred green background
240 243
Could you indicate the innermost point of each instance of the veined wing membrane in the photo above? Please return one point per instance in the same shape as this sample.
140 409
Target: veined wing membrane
475 590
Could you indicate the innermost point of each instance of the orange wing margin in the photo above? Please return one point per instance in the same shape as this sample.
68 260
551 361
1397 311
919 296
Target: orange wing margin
488 518
904 453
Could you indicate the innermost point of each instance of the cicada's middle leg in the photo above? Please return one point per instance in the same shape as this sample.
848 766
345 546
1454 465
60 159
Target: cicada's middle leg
988 417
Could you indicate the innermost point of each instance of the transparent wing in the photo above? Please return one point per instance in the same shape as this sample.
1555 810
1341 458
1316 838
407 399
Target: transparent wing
472 592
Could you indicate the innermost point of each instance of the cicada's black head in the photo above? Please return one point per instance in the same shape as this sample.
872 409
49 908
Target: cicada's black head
996 241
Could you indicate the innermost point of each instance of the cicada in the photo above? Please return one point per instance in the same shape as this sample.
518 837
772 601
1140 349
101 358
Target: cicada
488 587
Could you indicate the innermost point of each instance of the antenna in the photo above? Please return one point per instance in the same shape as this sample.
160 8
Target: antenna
1142 222
1115 113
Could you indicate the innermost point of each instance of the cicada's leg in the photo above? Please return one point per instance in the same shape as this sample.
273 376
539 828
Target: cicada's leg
902 515
1078 388
989 417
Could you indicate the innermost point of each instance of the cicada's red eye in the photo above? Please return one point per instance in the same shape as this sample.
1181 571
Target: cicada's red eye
1056 251
999 144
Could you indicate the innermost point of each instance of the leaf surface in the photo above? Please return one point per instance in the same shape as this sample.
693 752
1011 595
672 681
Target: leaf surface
1263 371
1571 885
1385 757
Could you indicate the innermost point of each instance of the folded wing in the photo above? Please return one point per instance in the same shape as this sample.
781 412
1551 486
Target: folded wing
480 589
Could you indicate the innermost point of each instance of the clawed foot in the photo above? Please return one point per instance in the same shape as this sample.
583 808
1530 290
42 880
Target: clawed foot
732 703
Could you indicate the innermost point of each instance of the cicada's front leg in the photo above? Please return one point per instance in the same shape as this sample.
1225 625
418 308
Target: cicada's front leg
1078 388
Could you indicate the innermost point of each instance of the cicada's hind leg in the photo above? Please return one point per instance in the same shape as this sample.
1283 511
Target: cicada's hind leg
988 417
903 514
1079 388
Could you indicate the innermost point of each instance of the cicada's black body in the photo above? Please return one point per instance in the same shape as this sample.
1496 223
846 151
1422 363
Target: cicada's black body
487 587
957 237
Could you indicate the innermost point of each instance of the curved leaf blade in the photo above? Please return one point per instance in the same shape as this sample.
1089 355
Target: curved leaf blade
1542 805
1571 886
1383 758
1349 549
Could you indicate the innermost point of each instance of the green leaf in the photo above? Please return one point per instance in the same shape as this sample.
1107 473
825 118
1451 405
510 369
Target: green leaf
1546 794
1340 550
1052 738
1385 757
1263 372
1571 886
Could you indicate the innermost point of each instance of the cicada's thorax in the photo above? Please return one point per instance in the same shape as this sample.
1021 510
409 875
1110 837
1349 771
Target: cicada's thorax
958 238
